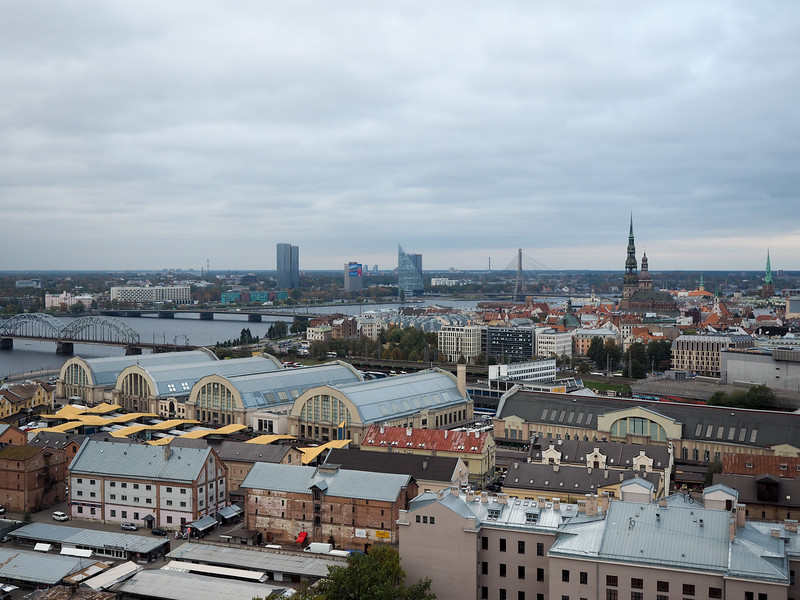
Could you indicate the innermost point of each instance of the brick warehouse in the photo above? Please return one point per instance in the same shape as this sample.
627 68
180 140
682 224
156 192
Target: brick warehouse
350 509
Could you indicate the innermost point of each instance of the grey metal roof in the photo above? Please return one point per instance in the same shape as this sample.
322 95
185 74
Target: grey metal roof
257 559
177 380
758 428
342 483
105 370
396 397
232 450
139 461
431 468
618 454
37 568
513 514
173 585
570 479
684 537
87 538
281 388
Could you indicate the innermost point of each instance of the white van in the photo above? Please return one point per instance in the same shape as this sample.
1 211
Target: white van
318 548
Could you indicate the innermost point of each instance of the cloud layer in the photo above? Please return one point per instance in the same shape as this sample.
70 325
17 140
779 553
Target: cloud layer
150 135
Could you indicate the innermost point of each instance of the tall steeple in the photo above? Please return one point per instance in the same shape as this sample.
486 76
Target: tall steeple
630 282
767 290
645 281
768 273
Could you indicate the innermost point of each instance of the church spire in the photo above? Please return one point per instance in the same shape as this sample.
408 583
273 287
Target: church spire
630 282
768 273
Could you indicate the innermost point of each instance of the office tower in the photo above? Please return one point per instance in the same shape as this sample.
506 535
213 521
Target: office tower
288 266
352 277
409 272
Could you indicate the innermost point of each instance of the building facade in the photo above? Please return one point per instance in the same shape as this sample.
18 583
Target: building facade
31 477
701 354
148 485
353 277
179 294
349 509
288 266
409 273
456 342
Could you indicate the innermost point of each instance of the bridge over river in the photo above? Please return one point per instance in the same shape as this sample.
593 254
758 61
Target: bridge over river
85 330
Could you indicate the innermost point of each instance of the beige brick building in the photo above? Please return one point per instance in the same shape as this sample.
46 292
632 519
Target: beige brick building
700 354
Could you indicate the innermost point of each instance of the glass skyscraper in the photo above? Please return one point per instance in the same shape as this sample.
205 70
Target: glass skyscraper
409 272
288 266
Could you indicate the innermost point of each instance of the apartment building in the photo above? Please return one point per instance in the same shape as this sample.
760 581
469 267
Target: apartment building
179 294
502 548
148 485
700 354
460 341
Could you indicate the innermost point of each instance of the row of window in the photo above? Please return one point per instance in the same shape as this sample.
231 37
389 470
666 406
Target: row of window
520 546
148 488
687 589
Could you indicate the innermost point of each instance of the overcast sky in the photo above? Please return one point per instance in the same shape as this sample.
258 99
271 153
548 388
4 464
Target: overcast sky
141 135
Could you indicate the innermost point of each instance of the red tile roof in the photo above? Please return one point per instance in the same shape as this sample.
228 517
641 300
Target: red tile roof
402 438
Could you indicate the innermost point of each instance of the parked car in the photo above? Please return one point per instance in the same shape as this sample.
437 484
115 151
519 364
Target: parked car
60 516
158 531
127 526
2 510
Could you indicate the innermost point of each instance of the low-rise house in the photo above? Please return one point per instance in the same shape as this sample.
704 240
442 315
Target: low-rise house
350 509
148 485
21 402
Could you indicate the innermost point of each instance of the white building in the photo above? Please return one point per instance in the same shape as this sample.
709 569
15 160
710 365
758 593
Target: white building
66 299
554 343
370 327
534 370
146 485
457 341
179 294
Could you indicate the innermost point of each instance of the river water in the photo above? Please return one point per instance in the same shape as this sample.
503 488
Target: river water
33 357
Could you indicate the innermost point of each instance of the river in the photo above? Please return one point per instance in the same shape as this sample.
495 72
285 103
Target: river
33 357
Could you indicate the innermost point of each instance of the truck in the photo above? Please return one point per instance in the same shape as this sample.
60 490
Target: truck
318 548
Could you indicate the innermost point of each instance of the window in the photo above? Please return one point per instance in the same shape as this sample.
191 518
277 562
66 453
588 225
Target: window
714 592
79 479
123 498
484 593
502 544
565 575
521 547
484 568
762 596
79 492
148 500
136 499
183 490
113 513
123 484
662 586
521 572
637 596
169 502
612 581
124 514
502 595
688 589
502 569
539 549
112 484
520 595
637 584
169 520
433 520
612 595
584 578
539 574
169 490
484 543
419 519
136 486
92 494
148 487
112 496
91 482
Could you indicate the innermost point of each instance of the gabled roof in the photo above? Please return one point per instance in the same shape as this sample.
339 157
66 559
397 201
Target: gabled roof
619 455
234 451
341 483
568 479
109 459
441 440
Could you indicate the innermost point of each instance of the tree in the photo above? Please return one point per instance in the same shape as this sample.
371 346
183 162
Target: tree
280 329
376 575
77 308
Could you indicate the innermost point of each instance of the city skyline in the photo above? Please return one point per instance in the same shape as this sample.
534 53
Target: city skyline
167 136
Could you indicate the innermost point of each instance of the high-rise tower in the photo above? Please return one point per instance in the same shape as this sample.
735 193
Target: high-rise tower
409 272
630 282
645 281
288 266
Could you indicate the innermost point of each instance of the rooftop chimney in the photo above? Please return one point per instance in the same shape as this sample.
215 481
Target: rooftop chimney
454 491
556 503
591 505
502 498
424 464
541 501
409 431
790 525
740 514
167 451
581 506
775 532
461 377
